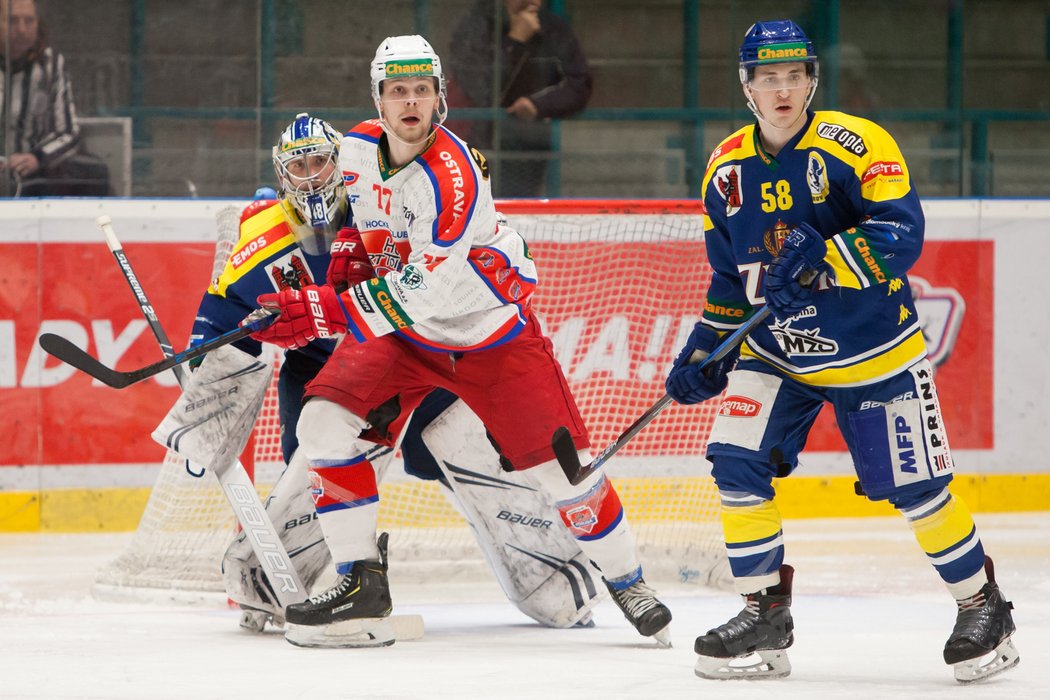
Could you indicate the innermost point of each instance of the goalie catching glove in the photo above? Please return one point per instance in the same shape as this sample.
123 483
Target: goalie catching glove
788 279
309 314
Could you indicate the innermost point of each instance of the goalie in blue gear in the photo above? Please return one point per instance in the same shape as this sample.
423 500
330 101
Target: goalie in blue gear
795 197
285 244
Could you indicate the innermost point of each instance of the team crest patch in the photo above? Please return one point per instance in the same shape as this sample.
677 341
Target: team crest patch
290 272
316 486
412 278
774 240
582 518
727 180
817 177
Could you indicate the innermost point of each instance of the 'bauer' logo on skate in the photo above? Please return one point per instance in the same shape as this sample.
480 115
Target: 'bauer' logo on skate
739 406
582 518
316 486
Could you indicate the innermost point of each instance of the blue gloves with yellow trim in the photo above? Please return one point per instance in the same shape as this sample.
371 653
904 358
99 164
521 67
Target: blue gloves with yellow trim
686 383
789 276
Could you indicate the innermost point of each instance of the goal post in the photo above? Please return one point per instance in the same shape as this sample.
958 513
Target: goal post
621 284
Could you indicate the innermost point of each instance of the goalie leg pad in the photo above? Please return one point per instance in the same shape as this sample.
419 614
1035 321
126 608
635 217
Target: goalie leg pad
292 512
540 567
213 418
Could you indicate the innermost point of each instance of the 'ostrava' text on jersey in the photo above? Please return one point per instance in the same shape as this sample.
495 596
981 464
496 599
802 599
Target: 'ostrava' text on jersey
451 276
846 177
265 259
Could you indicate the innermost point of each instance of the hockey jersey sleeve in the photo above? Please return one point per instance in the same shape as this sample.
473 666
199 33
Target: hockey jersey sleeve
727 305
888 236
460 261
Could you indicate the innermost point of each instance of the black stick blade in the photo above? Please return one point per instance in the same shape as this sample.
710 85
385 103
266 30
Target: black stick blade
69 353
63 349
568 458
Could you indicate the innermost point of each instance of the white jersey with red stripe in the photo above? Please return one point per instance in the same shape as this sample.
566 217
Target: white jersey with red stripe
452 274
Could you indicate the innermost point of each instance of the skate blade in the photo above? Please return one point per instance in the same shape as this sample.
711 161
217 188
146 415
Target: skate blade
663 638
357 634
253 621
1002 658
768 663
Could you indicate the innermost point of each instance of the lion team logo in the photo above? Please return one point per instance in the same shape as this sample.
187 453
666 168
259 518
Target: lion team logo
817 177
727 180
774 240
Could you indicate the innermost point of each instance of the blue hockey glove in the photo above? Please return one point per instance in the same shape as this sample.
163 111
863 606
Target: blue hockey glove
686 383
803 252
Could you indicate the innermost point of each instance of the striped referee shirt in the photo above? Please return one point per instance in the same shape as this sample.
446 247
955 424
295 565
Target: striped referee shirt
39 109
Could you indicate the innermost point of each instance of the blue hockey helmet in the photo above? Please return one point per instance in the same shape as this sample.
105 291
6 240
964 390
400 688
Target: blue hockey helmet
777 41
313 196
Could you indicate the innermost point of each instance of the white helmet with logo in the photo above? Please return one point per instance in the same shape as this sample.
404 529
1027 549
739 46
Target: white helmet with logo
406 57
313 196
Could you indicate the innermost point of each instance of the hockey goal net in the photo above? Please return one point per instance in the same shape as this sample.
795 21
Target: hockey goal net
621 284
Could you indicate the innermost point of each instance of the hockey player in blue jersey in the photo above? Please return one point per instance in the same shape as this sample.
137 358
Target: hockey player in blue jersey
814 214
287 242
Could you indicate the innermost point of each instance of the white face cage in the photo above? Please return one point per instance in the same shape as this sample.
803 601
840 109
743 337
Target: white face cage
313 197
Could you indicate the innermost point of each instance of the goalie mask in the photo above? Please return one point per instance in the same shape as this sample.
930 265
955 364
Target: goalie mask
778 41
313 197
407 57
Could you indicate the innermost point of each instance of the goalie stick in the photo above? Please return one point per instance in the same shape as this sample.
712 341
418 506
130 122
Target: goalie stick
236 485
565 450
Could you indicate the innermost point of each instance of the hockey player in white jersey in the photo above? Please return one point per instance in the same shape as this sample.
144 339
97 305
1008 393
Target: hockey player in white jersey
284 244
449 307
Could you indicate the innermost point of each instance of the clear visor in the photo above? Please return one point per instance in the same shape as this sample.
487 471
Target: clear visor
772 82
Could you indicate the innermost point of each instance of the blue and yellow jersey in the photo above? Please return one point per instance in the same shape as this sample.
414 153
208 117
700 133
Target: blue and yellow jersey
846 177
265 259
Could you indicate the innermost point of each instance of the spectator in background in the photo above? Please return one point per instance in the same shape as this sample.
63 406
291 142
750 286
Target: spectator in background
39 114
533 68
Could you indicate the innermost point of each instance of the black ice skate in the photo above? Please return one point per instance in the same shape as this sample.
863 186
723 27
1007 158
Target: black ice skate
980 645
752 644
642 609
352 613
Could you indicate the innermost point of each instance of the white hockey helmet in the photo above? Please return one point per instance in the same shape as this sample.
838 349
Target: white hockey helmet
405 57
313 197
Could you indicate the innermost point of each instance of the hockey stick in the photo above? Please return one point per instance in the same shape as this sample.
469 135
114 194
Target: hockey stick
71 354
565 450
236 486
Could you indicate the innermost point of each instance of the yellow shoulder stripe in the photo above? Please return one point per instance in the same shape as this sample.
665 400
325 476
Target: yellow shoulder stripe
262 236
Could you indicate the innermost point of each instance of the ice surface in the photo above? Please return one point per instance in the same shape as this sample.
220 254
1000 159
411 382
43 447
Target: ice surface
871 620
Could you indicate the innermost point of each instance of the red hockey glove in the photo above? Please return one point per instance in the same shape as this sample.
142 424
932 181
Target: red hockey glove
307 314
350 264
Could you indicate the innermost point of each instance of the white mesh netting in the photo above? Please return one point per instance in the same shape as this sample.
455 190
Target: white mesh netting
621 285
